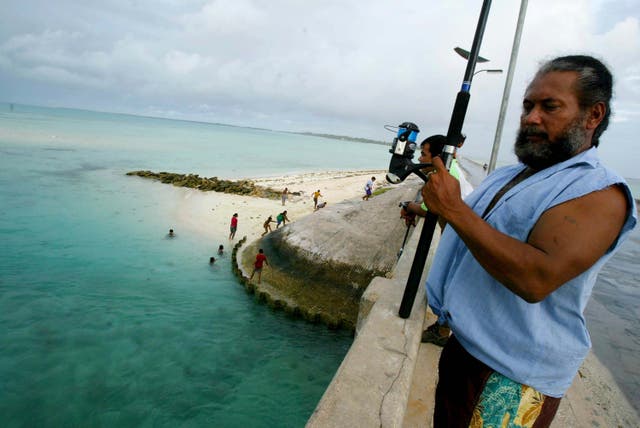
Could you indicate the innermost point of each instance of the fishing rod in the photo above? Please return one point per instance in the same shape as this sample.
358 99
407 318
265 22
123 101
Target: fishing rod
401 165
406 235
410 219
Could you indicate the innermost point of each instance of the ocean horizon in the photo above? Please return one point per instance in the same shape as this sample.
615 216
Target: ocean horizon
104 321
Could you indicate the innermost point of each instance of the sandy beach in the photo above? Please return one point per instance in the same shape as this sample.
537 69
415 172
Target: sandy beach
209 213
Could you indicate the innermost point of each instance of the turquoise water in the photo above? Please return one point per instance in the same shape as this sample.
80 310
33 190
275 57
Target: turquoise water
125 142
104 321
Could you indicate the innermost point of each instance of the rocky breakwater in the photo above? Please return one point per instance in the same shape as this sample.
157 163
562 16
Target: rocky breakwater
321 264
194 181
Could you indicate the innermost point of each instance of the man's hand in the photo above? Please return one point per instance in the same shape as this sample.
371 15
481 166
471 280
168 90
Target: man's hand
409 218
409 212
441 193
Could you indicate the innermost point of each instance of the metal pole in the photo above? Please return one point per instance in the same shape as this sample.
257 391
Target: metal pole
507 85
453 138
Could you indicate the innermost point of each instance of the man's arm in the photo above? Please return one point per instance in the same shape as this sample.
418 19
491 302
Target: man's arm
566 240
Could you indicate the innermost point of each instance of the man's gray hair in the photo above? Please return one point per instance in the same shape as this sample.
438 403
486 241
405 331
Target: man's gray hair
594 84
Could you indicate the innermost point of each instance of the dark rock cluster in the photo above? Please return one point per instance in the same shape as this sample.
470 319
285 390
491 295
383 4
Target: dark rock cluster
194 181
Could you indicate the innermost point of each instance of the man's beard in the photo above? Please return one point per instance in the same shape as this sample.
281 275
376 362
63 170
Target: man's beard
544 153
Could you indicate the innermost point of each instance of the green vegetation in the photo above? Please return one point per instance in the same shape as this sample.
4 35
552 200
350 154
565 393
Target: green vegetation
380 191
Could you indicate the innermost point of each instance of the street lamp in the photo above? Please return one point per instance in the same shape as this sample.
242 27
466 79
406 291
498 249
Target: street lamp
507 85
465 54
490 70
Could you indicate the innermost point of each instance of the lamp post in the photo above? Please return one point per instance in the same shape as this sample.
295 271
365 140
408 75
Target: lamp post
489 70
507 86
465 54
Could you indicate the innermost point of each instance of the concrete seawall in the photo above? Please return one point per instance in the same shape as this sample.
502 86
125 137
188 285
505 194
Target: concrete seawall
371 386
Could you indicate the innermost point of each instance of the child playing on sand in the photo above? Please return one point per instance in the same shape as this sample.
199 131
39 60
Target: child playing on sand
282 218
316 195
267 225
257 265
368 189
234 226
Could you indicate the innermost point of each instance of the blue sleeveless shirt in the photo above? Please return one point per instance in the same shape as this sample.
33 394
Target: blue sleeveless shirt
537 344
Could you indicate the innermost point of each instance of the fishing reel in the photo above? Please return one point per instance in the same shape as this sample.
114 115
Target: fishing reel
404 144
402 151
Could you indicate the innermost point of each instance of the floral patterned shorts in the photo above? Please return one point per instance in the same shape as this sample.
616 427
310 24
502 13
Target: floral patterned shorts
470 394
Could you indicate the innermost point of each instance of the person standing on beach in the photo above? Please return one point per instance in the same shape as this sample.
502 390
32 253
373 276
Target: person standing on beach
234 226
261 259
282 218
316 195
368 189
285 195
518 259
267 225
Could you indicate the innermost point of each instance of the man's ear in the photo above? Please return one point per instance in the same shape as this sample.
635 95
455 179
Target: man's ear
596 115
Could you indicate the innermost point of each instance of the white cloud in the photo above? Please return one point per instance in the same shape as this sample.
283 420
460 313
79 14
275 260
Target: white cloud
224 16
181 62
626 115
331 66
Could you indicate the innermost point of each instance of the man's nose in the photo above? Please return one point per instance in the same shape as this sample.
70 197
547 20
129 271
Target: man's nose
532 117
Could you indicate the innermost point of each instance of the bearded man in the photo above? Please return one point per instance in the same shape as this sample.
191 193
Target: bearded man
517 262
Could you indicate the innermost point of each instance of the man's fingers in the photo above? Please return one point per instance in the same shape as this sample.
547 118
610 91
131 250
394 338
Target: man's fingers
438 164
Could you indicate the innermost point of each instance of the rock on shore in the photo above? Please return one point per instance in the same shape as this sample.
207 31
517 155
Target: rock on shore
324 261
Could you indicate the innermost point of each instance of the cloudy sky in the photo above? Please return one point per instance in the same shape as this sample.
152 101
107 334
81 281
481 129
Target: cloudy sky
344 67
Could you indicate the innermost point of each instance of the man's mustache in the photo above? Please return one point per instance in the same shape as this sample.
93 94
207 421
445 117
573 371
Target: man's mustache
532 131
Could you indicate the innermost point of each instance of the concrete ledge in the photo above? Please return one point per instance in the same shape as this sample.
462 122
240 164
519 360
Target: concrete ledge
421 401
371 386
